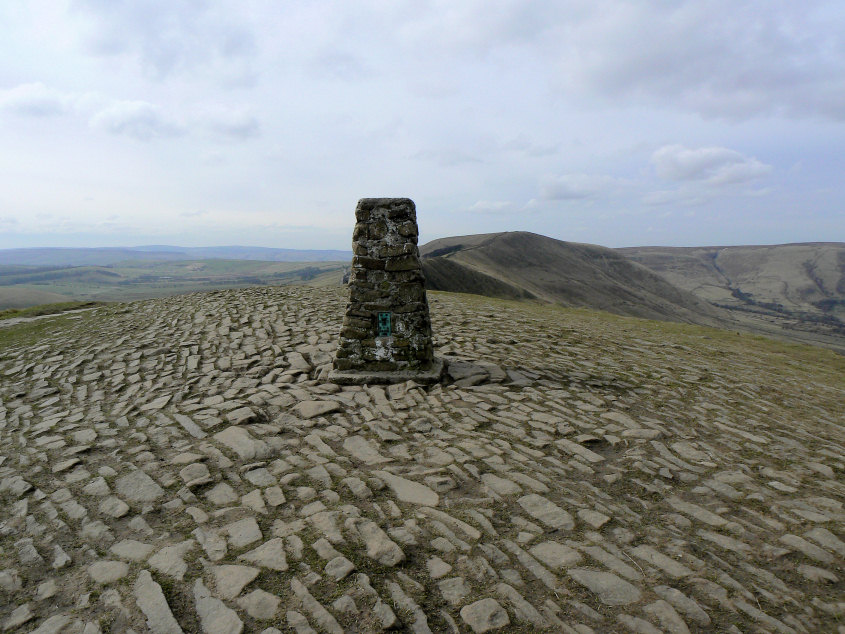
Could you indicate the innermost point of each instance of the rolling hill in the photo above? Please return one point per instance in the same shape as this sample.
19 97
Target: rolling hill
796 289
22 286
792 291
807 277
107 256
527 265
24 296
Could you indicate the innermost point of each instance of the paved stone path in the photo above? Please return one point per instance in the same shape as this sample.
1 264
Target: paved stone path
181 465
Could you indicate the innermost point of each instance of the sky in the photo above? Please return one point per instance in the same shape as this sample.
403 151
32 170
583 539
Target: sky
261 123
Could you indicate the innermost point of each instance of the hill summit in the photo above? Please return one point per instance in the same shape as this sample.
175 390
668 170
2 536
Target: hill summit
520 264
180 464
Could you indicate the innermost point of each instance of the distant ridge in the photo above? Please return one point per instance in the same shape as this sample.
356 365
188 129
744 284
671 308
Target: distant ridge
527 265
105 256
807 277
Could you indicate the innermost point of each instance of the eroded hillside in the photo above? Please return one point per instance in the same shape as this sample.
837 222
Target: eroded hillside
798 289
179 464
519 264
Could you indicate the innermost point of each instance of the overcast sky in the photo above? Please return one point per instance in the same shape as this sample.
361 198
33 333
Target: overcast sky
622 123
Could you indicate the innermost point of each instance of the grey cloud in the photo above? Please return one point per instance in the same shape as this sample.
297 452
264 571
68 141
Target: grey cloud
716 57
492 207
137 119
34 99
713 165
704 174
576 186
338 64
694 194
681 196
170 36
522 143
447 157
479 26
233 124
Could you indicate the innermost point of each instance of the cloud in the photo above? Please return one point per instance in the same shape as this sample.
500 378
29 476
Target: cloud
522 143
492 207
447 157
236 124
338 64
138 119
712 165
172 36
35 100
681 196
479 26
703 174
694 194
576 186
719 58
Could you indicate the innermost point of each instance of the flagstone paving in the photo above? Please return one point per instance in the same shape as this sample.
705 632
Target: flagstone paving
181 464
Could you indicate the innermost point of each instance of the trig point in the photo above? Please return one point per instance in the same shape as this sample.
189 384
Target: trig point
386 333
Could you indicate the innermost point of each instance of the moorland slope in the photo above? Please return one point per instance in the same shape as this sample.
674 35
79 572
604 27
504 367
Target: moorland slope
527 265
800 277
795 290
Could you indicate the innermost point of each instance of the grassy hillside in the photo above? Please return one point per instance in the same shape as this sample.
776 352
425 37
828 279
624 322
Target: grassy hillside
42 310
138 279
799 288
446 274
12 297
807 277
525 264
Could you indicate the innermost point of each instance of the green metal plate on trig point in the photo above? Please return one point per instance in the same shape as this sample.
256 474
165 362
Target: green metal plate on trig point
384 329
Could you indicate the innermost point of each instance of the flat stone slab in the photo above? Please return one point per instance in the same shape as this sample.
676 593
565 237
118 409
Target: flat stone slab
423 377
408 490
546 512
485 615
501 486
610 589
243 443
260 604
107 571
379 546
312 409
150 598
231 579
137 486
170 559
132 550
556 556
243 532
364 450
215 616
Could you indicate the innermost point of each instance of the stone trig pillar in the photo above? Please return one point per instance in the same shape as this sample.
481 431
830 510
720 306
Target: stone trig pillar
386 333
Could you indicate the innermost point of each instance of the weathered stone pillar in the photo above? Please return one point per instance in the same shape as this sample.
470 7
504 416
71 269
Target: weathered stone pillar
386 333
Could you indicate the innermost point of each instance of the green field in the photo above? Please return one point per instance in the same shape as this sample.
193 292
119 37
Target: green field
44 309
24 286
